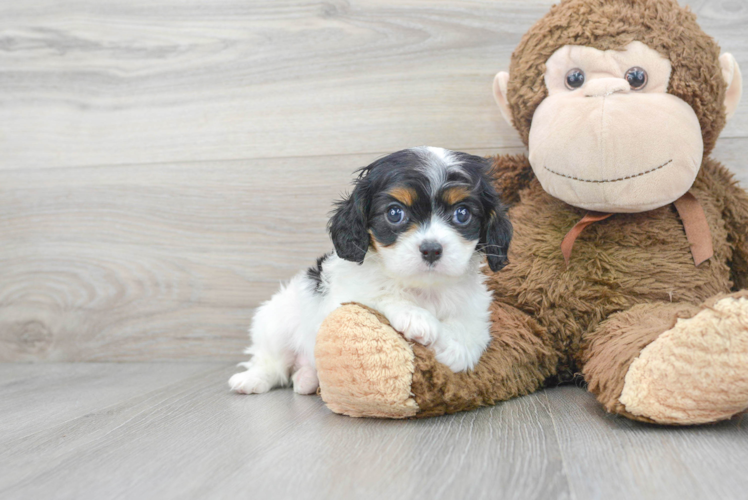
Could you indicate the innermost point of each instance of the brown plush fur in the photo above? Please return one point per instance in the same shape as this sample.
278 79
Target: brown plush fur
612 24
591 315
632 275
619 340
620 262
517 362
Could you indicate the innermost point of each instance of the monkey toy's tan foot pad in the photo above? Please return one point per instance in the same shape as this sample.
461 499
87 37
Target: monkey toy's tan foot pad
365 367
696 372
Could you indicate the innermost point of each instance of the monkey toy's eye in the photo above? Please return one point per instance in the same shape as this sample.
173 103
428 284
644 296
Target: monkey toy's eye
636 77
574 78
395 215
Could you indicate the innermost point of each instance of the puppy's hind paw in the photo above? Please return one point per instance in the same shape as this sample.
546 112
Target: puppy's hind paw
249 382
305 380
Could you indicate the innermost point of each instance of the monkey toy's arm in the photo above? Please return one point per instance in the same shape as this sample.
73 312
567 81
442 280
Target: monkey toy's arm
367 369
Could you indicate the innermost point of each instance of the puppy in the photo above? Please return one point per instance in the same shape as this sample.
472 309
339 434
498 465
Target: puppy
409 242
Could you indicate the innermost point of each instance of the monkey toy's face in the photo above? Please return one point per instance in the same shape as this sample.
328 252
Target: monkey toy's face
609 137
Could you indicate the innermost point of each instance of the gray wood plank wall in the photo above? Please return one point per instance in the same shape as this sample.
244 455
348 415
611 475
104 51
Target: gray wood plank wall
165 164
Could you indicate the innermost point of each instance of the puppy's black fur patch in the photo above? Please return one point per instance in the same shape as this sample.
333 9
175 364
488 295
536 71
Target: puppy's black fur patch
314 273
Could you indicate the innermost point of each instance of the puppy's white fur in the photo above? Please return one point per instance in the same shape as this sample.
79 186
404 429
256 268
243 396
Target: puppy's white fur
449 314
444 305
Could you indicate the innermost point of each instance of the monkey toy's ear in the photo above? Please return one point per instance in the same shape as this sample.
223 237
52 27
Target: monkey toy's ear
348 226
500 83
731 74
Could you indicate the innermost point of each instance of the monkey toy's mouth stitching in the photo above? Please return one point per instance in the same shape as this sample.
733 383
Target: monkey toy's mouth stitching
598 181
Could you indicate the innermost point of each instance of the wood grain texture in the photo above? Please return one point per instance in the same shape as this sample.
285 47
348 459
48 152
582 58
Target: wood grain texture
166 164
157 262
194 439
129 82
36 397
611 457
175 431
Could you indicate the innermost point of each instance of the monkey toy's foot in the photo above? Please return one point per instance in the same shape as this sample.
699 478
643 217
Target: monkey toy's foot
697 371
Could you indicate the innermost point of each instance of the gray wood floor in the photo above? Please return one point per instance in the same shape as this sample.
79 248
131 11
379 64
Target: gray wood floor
170 430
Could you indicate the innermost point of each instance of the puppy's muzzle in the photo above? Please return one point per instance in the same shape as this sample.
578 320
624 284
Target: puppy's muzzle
431 251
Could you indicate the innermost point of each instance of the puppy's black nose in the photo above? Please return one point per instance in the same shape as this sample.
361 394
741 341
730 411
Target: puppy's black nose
431 251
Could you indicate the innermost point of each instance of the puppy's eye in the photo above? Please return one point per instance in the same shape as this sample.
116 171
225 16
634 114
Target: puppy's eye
462 215
574 79
636 77
395 215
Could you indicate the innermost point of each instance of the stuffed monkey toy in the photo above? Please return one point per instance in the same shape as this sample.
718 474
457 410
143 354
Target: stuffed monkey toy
629 263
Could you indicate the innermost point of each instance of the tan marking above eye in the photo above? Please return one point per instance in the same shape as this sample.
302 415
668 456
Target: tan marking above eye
455 195
406 196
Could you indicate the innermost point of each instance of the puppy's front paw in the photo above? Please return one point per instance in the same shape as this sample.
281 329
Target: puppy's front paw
456 356
251 381
417 325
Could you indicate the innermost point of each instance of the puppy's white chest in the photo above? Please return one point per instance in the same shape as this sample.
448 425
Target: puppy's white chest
443 303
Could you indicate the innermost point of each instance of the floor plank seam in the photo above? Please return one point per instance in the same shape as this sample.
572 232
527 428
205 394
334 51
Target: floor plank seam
304 416
564 468
240 159
244 159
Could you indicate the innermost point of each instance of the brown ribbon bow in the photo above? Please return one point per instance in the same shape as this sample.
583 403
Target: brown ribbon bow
694 222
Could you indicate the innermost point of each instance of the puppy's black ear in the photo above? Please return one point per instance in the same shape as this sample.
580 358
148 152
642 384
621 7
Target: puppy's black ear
496 233
495 238
348 225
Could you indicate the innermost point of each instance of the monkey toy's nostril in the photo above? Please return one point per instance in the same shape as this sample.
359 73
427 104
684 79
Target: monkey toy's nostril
431 251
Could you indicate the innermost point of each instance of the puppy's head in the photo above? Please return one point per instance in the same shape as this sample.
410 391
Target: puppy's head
425 211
